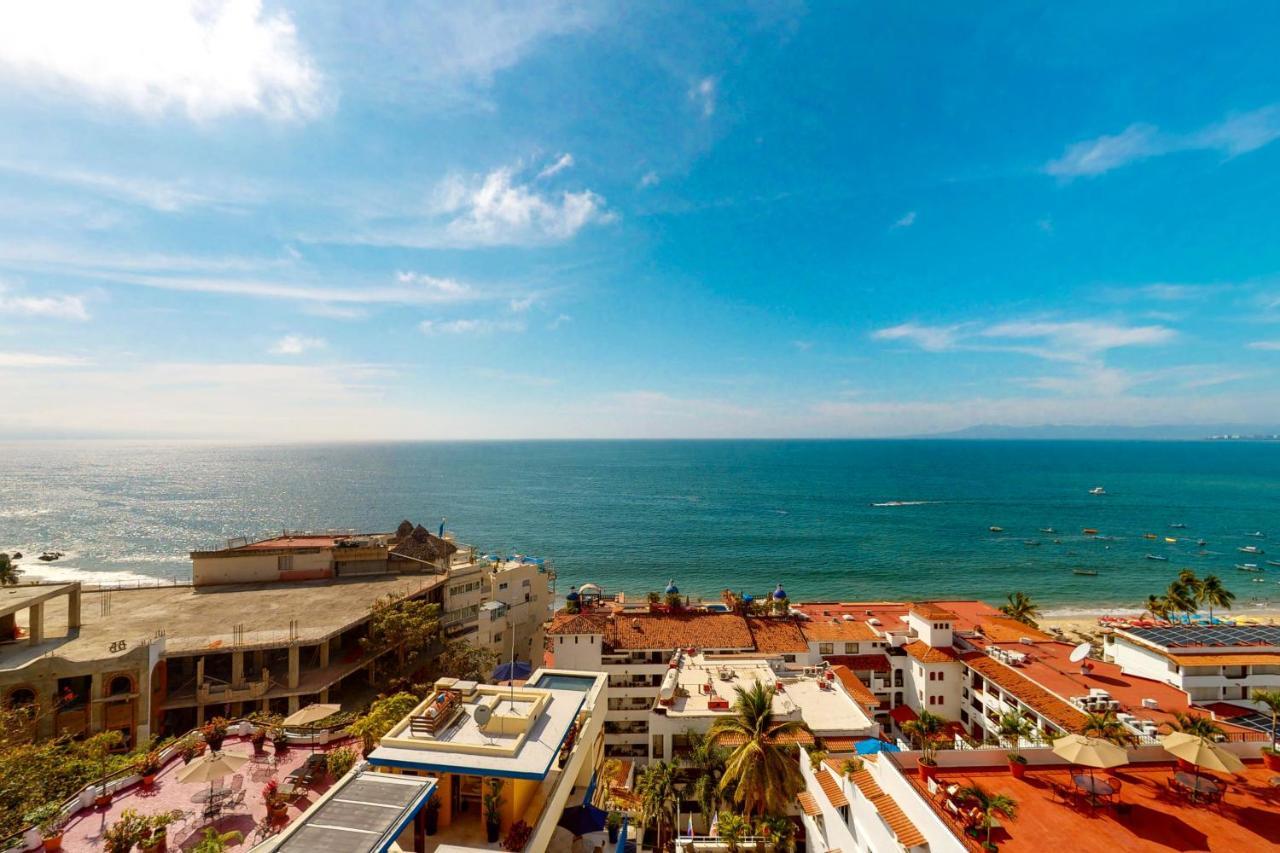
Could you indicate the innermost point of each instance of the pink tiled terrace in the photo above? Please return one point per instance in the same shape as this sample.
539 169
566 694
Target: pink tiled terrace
84 833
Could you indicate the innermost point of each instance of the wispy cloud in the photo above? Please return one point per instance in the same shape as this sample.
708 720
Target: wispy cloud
930 338
908 219
559 321
649 179
1266 346
163 196
1054 340
435 328
208 58
703 95
296 345
564 161
32 359
61 306
1236 135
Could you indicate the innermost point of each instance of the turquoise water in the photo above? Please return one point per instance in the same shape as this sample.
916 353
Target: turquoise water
711 514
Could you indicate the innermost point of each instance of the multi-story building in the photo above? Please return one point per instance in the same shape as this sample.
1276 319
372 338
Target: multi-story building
1211 663
501 604
529 752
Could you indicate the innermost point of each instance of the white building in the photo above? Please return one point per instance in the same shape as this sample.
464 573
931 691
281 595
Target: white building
495 602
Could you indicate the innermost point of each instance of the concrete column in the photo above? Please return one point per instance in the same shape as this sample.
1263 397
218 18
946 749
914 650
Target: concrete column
237 669
95 709
199 681
36 627
324 696
295 665
295 702
73 607
324 654
142 707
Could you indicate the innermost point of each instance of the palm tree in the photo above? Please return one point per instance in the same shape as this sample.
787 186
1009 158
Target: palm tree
216 842
1158 606
1196 724
1214 594
1270 698
761 770
8 571
656 787
1181 597
1107 727
1022 608
1014 727
707 761
924 730
990 805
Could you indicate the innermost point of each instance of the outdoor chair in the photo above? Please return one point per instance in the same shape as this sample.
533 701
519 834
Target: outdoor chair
237 782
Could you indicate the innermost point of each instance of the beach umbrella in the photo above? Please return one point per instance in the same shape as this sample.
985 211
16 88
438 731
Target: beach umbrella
310 715
211 767
1201 752
1090 752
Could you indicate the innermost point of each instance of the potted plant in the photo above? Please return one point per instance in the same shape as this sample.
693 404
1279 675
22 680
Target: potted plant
126 831
49 821
277 805
155 835
147 765
492 800
188 748
259 740
517 836
340 761
213 841
613 823
215 732
431 814
925 730
1271 699
279 738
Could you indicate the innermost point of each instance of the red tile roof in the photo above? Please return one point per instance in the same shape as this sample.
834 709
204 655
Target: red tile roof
826 630
877 662
578 623
925 653
903 714
907 833
1040 700
776 634
855 688
1235 659
809 804
929 610
661 631
831 788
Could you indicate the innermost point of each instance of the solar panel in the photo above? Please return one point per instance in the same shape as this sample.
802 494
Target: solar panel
358 817
1210 635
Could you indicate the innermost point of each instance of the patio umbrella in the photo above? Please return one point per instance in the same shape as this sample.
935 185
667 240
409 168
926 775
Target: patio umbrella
1201 752
873 746
211 767
313 713
518 671
1090 752
582 819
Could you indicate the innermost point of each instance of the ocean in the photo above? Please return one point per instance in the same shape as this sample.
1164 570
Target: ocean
710 515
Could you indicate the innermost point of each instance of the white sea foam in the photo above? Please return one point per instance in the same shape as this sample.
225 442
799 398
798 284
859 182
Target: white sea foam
60 572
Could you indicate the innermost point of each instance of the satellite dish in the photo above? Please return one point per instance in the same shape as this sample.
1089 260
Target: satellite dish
481 714
1080 652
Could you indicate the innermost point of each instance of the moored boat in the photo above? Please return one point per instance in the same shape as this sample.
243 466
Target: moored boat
1085 572
1248 567
1148 536
995 529
1097 490
1089 531
1250 549
1159 557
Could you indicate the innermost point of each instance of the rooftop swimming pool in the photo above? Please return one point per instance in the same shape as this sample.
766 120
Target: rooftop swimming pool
557 681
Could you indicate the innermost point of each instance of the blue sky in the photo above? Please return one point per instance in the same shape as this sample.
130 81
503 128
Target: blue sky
287 220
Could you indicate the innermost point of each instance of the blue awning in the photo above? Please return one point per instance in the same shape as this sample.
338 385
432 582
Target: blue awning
871 747
518 671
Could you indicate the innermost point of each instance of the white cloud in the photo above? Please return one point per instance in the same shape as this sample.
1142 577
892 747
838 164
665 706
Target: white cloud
468 327
498 210
907 220
1178 292
1236 135
437 289
62 307
565 161
31 359
208 58
335 312
296 345
1073 341
803 346
649 179
930 338
163 196
559 321
522 304
1267 346
703 94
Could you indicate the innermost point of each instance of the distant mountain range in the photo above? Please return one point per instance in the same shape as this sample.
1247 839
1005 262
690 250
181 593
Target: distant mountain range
1154 432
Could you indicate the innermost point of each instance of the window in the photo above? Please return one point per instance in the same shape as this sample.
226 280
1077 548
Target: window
284 564
525 582
497 638
850 648
23 697
941 675
502 586
657 747
826 648
120 685
897 678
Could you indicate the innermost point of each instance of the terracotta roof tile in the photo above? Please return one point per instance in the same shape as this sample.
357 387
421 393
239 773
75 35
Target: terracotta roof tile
1040 700
777 634
826 630
877 662
855 688
929 610
678 630
809 804
831 788
802 738
578 623
903 714
1268 658
907 833
1002 629
925 653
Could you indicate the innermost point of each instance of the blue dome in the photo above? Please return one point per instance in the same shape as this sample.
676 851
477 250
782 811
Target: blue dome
779 593
746 597
572 596
671 587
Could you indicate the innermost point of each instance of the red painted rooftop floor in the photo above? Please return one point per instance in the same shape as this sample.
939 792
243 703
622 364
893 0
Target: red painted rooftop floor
1249 819
85 830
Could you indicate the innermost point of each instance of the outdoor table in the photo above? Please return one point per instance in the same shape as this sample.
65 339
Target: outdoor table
289 790
1197 784
1095 787
207 794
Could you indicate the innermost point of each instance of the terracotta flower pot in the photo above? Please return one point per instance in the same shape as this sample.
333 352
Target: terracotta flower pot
53 842
927 771
1017 769
1271 760
102 800
148 780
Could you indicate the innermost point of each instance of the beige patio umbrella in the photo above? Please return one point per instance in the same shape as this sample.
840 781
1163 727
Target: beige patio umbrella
211 767
1201 752
1090 752
311 714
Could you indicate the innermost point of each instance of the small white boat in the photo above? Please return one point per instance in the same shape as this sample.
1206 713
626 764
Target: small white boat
1250 549
1159 557
1047 530
1248 567
1273 562
1257 534
995 529
1097 490
1178 525
1201 542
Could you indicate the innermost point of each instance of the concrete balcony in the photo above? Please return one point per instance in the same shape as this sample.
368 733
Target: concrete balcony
210 692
